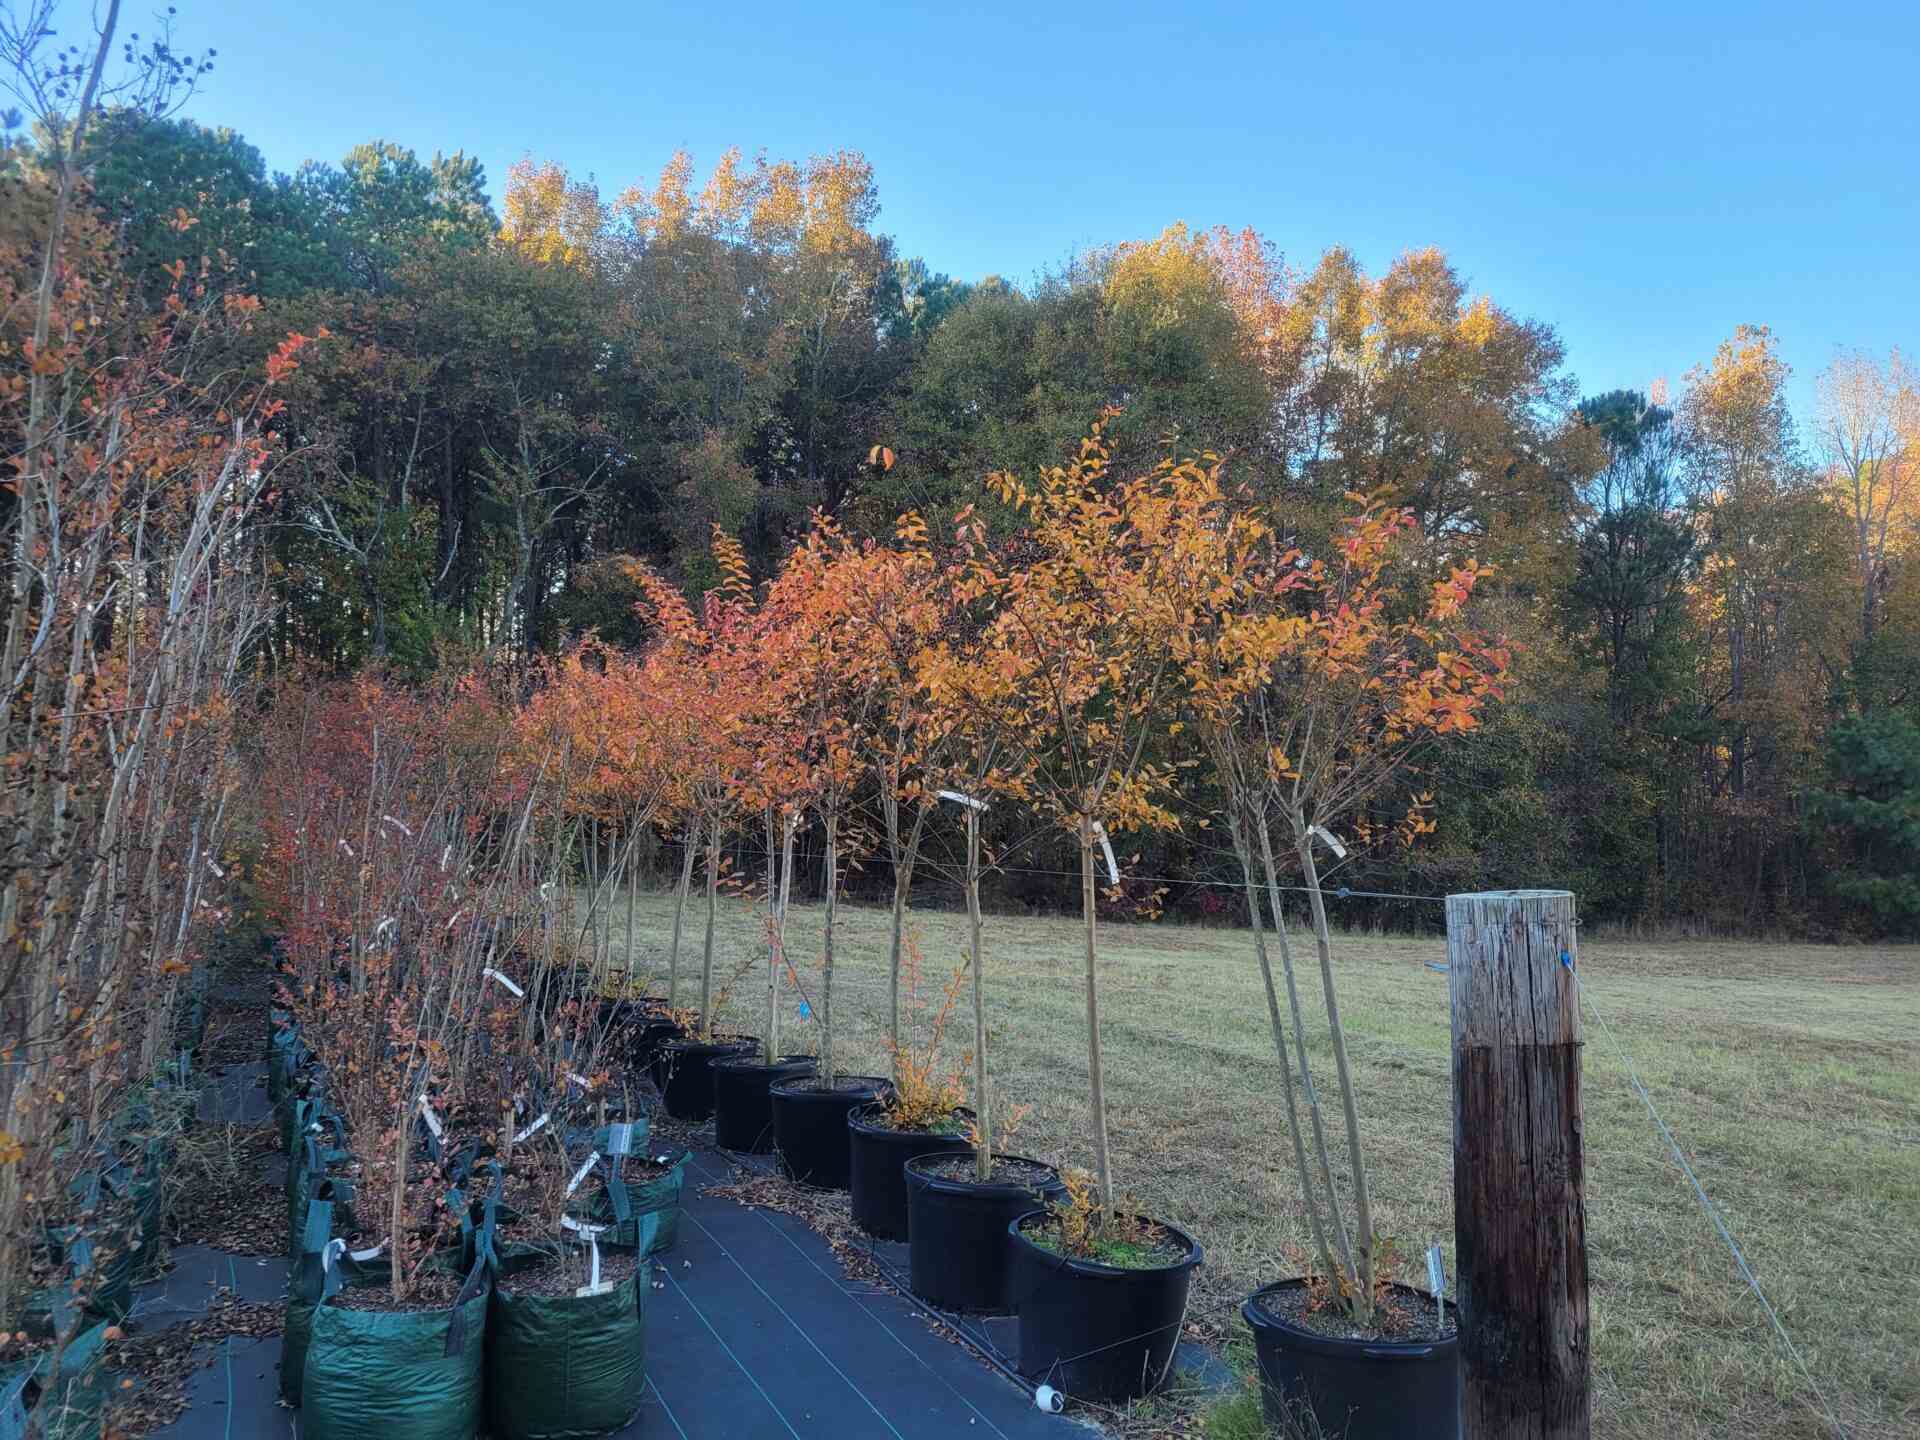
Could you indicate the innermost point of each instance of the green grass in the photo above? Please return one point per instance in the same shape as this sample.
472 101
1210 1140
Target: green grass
1790 1073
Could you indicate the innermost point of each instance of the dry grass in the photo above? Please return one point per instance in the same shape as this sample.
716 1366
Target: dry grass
1791 1073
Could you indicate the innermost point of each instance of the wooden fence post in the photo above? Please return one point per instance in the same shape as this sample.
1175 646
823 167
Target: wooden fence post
1519 1189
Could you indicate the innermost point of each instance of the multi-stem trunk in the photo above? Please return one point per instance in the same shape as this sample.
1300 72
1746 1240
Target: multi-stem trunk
1096 1078
826 966
1362 1299
713 912
982 1099
1336 1218
688 846
1307 1196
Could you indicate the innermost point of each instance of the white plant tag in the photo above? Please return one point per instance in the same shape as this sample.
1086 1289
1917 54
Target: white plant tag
433 1120
577 1079
1437 1280
959 799
534 1129
373 1254
1113 866
390 820
504 981
1332 840
333 1251
582 1173
580 1227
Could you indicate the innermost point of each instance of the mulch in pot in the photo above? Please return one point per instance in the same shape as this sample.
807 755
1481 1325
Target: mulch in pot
1006 1171
559 1276
433 1290
1145 1246
1396 1317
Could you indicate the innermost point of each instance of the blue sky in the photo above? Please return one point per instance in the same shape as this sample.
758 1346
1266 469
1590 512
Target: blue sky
1642 177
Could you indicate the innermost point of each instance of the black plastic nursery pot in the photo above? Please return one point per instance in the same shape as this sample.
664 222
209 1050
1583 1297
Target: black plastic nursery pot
644 1048
957 1232
1095 1331
1364 1389
877 1158
810 1125
742 1110
687 1089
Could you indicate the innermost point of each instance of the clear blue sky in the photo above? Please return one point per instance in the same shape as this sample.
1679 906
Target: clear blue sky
1644 177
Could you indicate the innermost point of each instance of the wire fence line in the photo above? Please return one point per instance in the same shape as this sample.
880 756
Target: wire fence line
1707 1205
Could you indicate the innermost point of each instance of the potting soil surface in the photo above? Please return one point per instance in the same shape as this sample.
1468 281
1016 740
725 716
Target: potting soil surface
753 1332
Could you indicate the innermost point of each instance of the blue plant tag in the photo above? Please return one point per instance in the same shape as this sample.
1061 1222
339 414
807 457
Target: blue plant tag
806 1011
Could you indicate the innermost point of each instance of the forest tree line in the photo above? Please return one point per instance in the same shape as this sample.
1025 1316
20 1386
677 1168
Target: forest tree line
1713 603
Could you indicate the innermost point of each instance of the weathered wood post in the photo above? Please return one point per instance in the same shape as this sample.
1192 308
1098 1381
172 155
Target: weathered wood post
1519 1188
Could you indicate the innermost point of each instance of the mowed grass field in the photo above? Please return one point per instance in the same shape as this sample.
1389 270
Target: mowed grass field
1790 1073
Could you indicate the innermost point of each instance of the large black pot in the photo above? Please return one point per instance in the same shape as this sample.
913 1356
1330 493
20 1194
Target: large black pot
742 1112
687 1087
810 1125
1363 1389
957 1234
643 1047
877 1156
1095 1331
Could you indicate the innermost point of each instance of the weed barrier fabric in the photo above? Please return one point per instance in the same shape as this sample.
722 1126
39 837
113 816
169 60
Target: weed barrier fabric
380 1375
566 1367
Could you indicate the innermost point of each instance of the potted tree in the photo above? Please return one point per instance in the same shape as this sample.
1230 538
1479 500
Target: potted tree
977 746
1086 636
830 706
709 662
1316 684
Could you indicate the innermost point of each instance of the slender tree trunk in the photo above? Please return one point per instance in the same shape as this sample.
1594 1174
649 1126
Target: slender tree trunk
826 968
1096 1078
773 941
1356 1159
982 1098
713 910
633 858
690 844
1307 1195
1336 1217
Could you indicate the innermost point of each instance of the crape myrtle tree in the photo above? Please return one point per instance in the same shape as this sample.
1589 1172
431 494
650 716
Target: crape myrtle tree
1315 684
1082 631
705 667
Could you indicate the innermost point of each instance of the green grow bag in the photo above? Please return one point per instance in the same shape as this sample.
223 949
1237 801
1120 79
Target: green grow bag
626 1208
565 1367
103 1282
314 1277
69 1404
371 1375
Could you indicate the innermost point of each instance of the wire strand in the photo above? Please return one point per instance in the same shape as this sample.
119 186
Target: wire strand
1706 1201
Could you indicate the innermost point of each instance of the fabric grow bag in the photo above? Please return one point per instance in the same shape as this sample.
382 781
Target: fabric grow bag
379 1375
322 1266
644 1216
564 1367
68 1401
